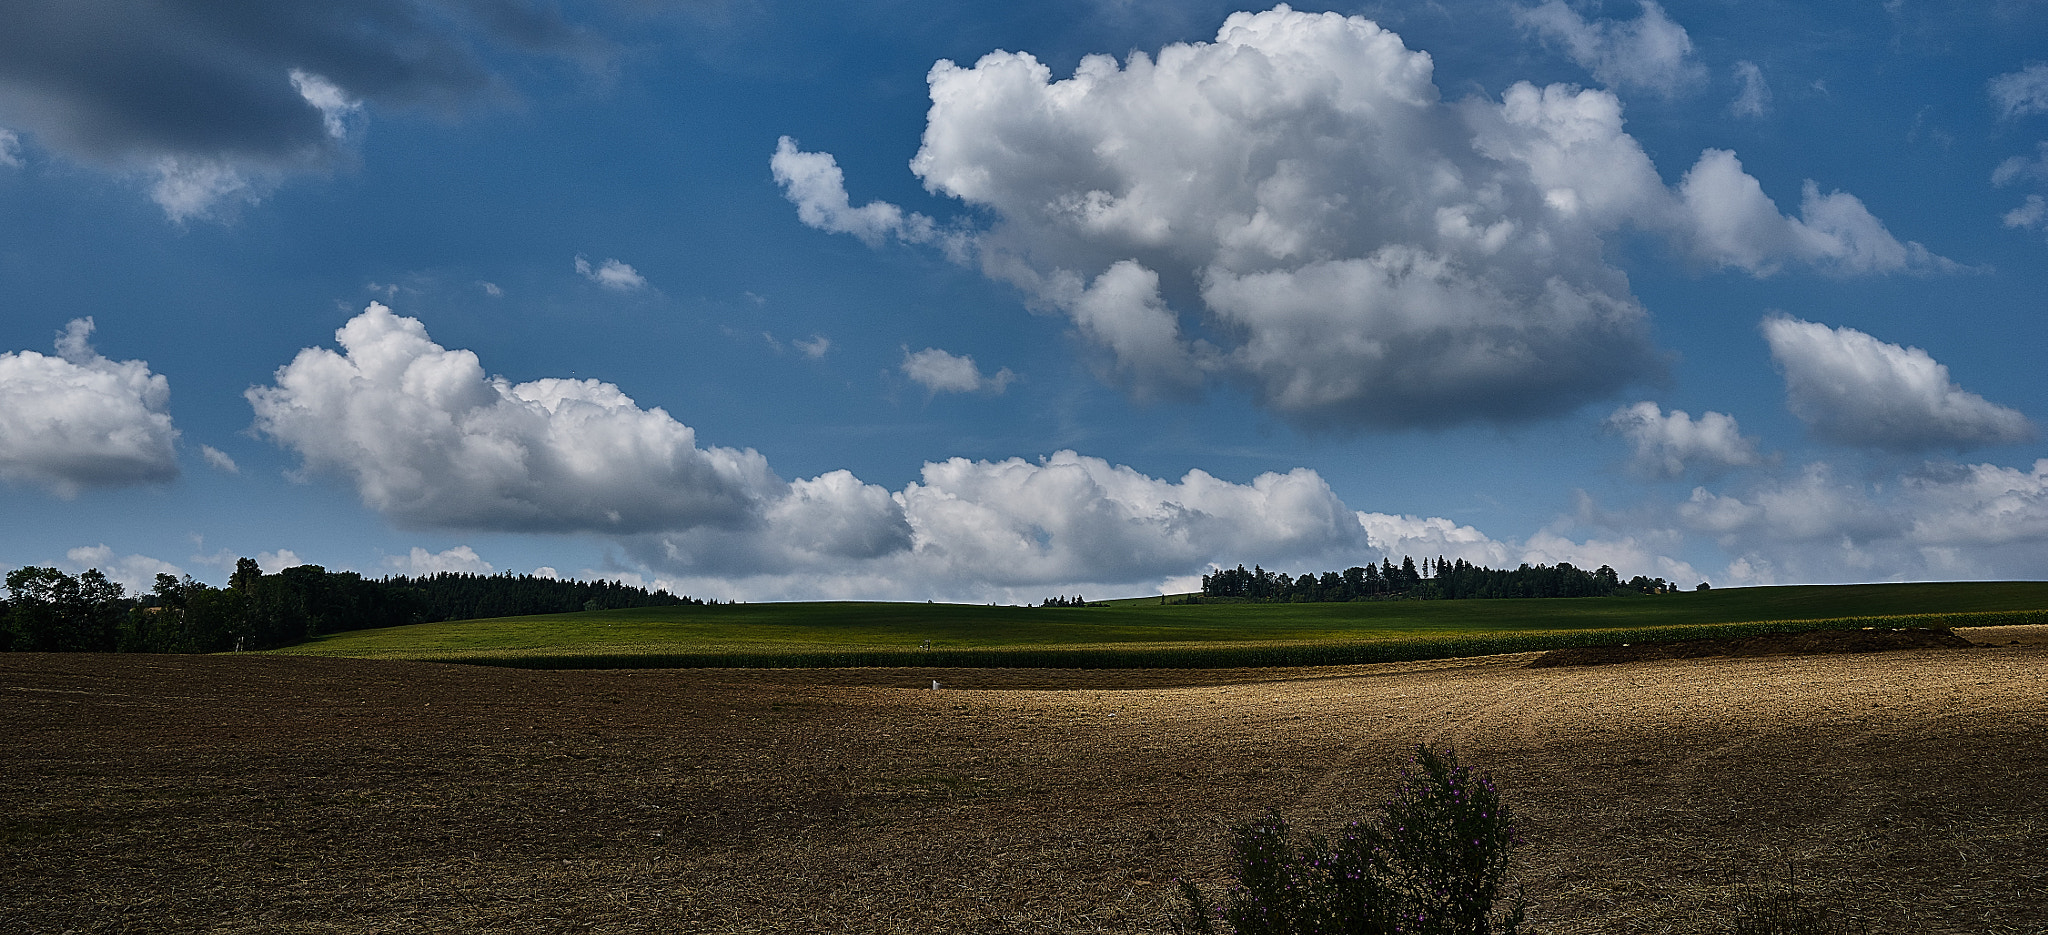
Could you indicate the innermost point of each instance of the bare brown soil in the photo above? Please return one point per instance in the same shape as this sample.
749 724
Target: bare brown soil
1866 640
273 794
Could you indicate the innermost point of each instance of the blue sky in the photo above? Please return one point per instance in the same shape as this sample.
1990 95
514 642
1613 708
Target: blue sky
990 302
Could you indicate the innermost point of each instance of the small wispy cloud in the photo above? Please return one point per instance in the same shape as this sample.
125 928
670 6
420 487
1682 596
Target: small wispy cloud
2032 214
611 274
1754 98
1649 52
218 459
2022 92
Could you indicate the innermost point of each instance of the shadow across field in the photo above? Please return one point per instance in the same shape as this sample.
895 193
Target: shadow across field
246 794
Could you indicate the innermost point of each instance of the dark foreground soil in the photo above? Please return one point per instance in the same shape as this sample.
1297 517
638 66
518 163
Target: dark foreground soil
1907 789
1866 640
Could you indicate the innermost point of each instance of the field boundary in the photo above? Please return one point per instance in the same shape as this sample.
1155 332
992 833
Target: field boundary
1239 655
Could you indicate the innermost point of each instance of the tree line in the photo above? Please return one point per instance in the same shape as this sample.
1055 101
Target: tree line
1431 580
1075 601
47 610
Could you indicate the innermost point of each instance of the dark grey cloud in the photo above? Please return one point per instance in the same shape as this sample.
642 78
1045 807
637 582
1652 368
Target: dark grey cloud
133 83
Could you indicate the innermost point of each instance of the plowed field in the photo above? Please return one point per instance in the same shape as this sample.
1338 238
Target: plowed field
273 794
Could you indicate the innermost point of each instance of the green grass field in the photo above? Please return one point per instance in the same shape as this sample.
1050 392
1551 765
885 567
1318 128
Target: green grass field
1144 633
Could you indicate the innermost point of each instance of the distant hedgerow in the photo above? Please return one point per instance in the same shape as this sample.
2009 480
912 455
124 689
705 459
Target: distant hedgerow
1434 862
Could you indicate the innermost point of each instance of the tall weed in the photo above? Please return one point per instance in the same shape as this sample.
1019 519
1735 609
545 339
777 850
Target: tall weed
1433 862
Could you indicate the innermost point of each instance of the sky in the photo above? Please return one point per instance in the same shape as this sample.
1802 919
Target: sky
991 302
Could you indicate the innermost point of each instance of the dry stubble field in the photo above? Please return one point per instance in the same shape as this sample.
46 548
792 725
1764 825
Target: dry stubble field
271 794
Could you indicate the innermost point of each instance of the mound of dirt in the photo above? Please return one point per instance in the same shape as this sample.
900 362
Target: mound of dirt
1868 640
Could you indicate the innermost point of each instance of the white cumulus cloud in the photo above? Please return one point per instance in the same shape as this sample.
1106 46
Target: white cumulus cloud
1649 52
1017 530
198 188
1072 517
942 372
428 438
421 562
1669 444
1728 221
611 274
1854 389
1433 536
273 562
79 420
1287 179
1294 209
136 573
814 182
10 149
1941 522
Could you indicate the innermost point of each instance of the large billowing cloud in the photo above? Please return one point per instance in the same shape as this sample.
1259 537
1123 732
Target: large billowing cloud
1013 529
1851 388
1017 530
1649 52
1293 208
1075 517
428 439
431 440
79 420
216 100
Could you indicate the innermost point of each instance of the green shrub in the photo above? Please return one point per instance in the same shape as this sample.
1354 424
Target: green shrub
1433 862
